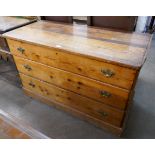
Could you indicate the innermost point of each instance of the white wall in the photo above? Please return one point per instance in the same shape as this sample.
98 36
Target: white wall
141 23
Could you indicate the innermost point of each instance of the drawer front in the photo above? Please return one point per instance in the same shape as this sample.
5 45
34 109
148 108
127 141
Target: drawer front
108 94
105 72
83 104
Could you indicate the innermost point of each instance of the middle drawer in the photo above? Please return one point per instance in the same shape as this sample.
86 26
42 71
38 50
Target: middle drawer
108 94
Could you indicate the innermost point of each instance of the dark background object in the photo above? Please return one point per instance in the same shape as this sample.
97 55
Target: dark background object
3 44
64 19
126 23
152 25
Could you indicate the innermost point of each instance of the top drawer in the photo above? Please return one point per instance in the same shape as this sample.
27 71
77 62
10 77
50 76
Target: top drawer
105 72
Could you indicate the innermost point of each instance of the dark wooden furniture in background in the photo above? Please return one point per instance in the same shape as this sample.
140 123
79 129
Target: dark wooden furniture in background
152 25
8 24
89 72
64 19
125 23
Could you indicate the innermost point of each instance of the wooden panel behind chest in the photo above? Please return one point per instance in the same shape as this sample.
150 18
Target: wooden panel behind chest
117 75
86 105
114 96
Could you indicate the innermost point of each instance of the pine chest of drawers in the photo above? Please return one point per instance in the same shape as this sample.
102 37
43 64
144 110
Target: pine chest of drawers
86 71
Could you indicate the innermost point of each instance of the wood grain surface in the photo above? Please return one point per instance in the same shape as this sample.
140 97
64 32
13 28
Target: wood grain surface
97 122
14 128
86 105
123 77
7 23
79 84
126 49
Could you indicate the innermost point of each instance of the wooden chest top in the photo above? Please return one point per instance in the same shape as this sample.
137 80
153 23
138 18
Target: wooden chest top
126 49
9 23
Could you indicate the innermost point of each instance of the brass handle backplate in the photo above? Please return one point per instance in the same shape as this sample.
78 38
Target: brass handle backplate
107 72
27 67
104 114
105 93
32 84
21 50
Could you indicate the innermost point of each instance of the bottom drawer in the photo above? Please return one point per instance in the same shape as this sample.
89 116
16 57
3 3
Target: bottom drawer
78 102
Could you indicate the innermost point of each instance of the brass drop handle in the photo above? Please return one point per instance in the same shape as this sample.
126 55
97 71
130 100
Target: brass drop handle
105 93
104 114
107 72
32 84
27 67
21 50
